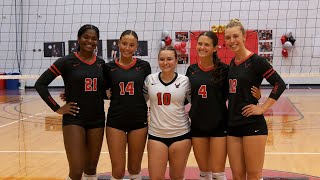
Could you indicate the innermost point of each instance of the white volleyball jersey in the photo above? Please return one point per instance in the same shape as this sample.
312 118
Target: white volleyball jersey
167 112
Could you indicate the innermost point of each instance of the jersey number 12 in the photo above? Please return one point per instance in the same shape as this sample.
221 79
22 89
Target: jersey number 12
232 85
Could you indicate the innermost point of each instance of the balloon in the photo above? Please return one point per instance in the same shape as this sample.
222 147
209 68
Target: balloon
183 44
287 45
177 47
220 29
162 44
283 39
288 34
284 53
164 34
168 41
292 40
214 29
183 50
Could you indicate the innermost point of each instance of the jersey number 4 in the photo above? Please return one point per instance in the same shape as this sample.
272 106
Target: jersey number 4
129 88
90 84
233 85
164 99
203 91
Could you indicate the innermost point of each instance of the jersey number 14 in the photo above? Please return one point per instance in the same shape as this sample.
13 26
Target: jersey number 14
129 88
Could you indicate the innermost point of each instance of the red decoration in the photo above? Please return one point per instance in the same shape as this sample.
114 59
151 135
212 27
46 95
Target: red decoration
183 44
177 47
168 41
284 53
183 50
283 39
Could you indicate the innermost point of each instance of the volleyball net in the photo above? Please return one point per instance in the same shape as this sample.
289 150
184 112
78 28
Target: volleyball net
35 33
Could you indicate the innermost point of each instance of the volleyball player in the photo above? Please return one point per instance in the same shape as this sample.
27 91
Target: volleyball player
209 89
83 114
114 50
247 129
169 128
127 115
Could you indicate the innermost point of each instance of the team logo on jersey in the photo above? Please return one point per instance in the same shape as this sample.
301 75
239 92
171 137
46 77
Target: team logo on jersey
247 65
177 85
194 72
75 64
138 68
113 69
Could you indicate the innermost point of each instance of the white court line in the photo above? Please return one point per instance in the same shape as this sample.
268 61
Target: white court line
292 153
106 152
9 124
22 119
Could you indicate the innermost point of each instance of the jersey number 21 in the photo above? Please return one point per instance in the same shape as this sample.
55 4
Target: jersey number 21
90 84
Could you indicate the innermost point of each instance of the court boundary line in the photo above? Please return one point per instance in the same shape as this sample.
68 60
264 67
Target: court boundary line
9 123
22 119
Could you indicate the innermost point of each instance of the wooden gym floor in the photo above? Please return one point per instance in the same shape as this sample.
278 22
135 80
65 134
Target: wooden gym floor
31 145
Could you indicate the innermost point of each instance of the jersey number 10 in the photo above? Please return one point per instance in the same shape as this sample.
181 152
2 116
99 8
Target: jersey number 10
164 99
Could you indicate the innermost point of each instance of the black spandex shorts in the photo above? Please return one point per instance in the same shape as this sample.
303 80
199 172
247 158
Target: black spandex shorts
217 132
169 141
253 129
127 127
86 124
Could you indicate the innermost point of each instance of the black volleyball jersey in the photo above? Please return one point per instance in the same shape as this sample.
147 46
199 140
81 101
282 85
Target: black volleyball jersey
126 83
208 99
84 84
242 76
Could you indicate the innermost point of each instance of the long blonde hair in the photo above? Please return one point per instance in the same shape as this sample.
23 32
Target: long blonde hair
234 23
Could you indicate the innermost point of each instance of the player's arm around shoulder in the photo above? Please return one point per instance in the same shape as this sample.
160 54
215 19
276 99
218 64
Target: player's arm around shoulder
146 67
146 85
186 84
